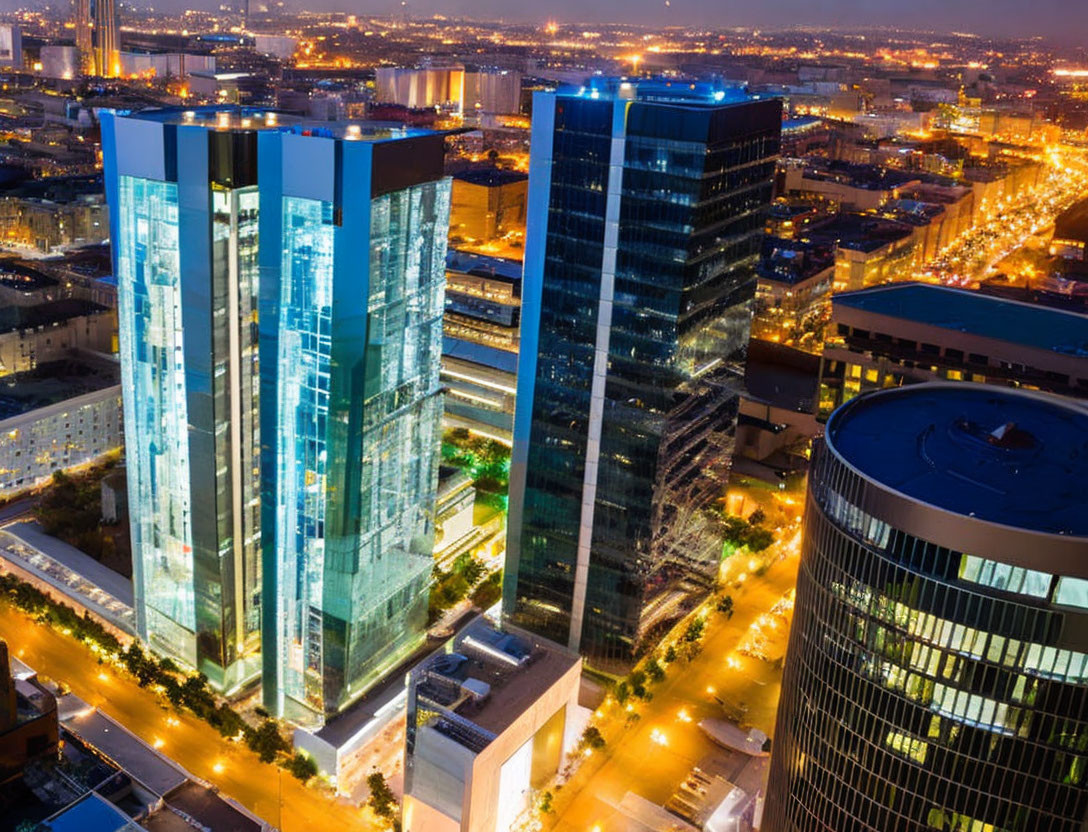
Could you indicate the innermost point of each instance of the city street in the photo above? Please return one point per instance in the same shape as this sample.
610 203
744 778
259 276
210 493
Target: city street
196 746
654 755
975 255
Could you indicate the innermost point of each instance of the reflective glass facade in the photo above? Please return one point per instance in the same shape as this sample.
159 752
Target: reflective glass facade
646 209
153 372
356 460
928 687
187 293
281 332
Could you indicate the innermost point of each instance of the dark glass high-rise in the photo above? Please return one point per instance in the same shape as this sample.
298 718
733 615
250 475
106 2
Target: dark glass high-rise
647 201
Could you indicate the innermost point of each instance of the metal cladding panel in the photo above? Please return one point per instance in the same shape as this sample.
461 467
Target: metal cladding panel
351 290
405 162
111 179
532 287
140 148
309 167
270 256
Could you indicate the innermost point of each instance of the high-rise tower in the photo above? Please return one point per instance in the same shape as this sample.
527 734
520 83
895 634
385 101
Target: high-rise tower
280 303
937 671
97 38
646 207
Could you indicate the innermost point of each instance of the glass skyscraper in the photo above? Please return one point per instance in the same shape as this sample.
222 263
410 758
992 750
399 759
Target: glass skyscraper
937 670
280 303
646 209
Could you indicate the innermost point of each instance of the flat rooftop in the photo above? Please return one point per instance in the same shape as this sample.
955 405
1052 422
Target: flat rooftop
483 265
866 177
515 668
210 810
22 277
1072 223
685 93
13 318
860 232
491 177
122 747
54 381
1003 456
963 310
230 118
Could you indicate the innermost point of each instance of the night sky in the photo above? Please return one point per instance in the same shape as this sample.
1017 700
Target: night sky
1067 19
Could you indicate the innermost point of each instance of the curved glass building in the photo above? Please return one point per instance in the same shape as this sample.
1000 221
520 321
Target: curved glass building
937 673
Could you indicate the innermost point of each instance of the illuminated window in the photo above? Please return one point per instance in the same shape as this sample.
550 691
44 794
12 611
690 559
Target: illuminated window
1072 592
1005 577
908 746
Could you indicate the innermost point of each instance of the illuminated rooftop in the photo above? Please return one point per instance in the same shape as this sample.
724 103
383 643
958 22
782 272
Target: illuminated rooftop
700 93
231 118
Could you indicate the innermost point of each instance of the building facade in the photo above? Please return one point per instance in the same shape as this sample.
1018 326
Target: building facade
355 411
490 718
61 415
280 305
937 670
646 207
480 345
48 331
907 333
98 39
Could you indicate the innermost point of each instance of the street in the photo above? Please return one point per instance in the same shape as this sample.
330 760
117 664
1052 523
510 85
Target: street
654 755
195 745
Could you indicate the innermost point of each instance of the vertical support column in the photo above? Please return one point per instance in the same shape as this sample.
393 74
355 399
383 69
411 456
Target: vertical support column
600 370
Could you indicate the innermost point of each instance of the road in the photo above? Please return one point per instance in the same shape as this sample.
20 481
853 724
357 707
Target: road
16 509
197 747
638 761
976 254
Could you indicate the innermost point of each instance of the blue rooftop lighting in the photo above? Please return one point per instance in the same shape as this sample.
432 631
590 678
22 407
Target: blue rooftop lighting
662 90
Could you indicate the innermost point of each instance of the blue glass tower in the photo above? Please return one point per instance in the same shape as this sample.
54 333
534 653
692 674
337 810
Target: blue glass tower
280 302
646 206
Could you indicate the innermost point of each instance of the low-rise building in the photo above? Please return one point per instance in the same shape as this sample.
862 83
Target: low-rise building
889 336
60 415
868 249
33 335
28 720
487 204
793 293
480 344
1070 239
851 186
490 718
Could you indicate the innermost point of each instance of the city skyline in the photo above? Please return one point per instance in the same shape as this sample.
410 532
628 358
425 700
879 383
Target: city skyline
997 18
411 420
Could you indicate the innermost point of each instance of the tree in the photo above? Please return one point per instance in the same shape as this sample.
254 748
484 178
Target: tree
694 632
734 530
622 692
267 740
757 517
591 738
302 766
655 671
759 539
382 800
725 605
545 804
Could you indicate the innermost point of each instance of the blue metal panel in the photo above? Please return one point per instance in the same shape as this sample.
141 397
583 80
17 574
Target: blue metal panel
139 149
309 167
536 243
